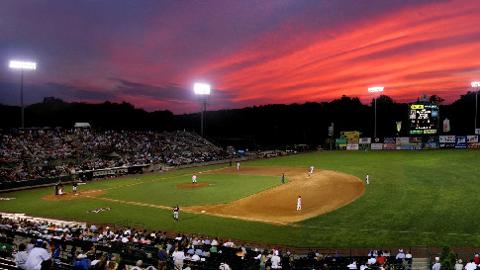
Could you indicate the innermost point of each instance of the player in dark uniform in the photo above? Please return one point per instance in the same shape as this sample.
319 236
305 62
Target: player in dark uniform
74 187
176 209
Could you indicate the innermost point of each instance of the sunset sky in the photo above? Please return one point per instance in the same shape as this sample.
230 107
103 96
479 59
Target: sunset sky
150 52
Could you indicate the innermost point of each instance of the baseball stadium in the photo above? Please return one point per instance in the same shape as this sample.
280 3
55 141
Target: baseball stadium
239 135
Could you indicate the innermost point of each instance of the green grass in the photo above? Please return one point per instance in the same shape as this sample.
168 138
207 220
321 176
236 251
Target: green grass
427 198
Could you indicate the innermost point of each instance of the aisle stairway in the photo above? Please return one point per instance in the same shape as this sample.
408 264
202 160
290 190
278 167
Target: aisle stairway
420 264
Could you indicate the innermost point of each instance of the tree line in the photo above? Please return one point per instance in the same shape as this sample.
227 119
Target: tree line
267 125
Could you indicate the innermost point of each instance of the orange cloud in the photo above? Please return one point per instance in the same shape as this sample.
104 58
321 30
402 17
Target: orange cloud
430 49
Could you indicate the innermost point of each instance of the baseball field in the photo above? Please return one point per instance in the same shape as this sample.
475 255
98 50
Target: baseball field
415 198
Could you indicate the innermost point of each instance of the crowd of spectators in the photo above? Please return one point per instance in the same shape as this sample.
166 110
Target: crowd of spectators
90 247
43 153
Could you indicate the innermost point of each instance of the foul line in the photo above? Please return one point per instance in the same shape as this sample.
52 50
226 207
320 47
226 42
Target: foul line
130 202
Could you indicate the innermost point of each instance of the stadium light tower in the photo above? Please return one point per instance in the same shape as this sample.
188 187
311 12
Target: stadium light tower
476 86
202 90
375 89
22 65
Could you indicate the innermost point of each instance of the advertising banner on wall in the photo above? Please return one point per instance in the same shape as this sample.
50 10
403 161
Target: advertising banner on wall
376 146
352 146
389 144
461 142
402 140
341 143
430 142
472 139
446 141
415 139
365 141
473 142
351 136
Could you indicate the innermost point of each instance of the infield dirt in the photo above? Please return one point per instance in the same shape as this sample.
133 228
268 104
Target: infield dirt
322 192
72 196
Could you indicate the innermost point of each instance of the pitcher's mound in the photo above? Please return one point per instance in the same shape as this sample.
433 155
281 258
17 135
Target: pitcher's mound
190 185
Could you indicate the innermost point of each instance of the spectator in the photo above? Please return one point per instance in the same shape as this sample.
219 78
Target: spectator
263 260
224 266
459 265
436 265
381 260
276 261
37 256
21 256
408 255
162 259
178 257
352 266
400 255
138 266
82 262
471 265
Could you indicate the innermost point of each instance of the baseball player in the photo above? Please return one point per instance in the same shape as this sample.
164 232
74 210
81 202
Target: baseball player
194 179
299 203
176 209
367 180
238 166
74 187
283 178
310 172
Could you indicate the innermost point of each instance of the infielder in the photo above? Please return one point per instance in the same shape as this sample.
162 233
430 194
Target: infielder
367 179
310 172
176 209
299 203
74 187
238 166
194 179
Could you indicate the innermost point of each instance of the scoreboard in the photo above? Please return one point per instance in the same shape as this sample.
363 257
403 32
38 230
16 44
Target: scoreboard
423 119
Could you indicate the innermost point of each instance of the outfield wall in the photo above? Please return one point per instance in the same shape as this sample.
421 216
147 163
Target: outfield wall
410 143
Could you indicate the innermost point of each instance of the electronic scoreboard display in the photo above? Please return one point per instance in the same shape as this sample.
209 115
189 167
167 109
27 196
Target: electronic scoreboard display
423 119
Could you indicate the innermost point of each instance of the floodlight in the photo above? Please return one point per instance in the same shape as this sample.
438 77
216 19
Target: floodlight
14 64
201 89
476 84
375 89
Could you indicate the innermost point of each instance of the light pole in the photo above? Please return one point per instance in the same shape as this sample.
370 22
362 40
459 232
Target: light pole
22 65
375 89
203 91
476 86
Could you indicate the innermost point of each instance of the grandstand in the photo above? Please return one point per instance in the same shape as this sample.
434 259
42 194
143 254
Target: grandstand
70 243
58 153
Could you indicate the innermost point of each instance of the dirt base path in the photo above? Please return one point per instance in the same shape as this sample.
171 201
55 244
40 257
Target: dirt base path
322 192
72 196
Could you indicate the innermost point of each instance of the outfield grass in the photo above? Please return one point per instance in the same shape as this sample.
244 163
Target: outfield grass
426 198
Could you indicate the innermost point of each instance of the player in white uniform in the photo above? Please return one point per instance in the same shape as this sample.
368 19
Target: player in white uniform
194 179
367 180
299 203
238 166
310 172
